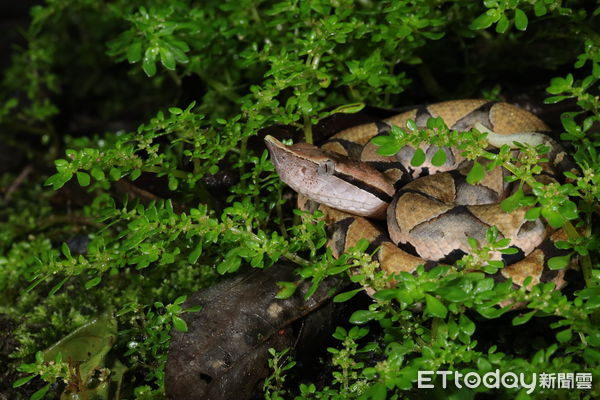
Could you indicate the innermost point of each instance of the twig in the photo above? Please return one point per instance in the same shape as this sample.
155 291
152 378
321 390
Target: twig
17 182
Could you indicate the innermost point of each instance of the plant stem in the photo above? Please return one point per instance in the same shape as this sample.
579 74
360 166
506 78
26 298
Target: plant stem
156 170
586 262
308 134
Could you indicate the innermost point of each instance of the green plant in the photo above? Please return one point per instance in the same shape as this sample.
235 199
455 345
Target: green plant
273 385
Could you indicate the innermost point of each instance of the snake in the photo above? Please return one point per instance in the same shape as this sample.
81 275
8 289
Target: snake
425 215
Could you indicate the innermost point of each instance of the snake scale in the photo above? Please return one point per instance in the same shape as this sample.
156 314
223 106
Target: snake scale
430 211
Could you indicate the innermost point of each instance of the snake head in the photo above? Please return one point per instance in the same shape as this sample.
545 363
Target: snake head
331 179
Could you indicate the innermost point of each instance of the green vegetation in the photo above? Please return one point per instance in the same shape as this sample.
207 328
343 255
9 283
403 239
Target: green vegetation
126 113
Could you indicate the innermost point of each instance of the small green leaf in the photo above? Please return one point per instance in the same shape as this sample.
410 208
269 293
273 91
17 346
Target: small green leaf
568 210
473 243
173 183
66 250
564 336
149 62
93 282
166 58
439 158
512 202
483 364
59 285
231 263
591 356
115 174
533 213
193 309
134 52
40 393
61 165
83 178
286 289
342 297
360 317
520 19
453 294
418 158
58 180
476 174
559 262
483 21
539 9
509 250
555 99
179 324
435 307
22 381
466 325
195 254
523 318
136 173
348 108
502 24
554 218
568 122
97 174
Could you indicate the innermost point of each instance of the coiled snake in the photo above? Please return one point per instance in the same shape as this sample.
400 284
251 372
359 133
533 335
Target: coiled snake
430 210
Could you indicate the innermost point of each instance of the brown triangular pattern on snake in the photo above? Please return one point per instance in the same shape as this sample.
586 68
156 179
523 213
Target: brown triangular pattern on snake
493 179
492 214
336 146
360 134
467 194
422 116
479 115
457 111
332 215
339 235
393 170
416 209
383 127
530 235
362 228
440 186
369 155
442 235
395 260
532 265
369 152
400 120
506 119
344 147
549 275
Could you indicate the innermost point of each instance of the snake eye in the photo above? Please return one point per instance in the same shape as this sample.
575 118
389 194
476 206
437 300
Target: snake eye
327 167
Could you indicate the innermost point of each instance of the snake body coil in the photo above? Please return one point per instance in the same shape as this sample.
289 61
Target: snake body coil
430 210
